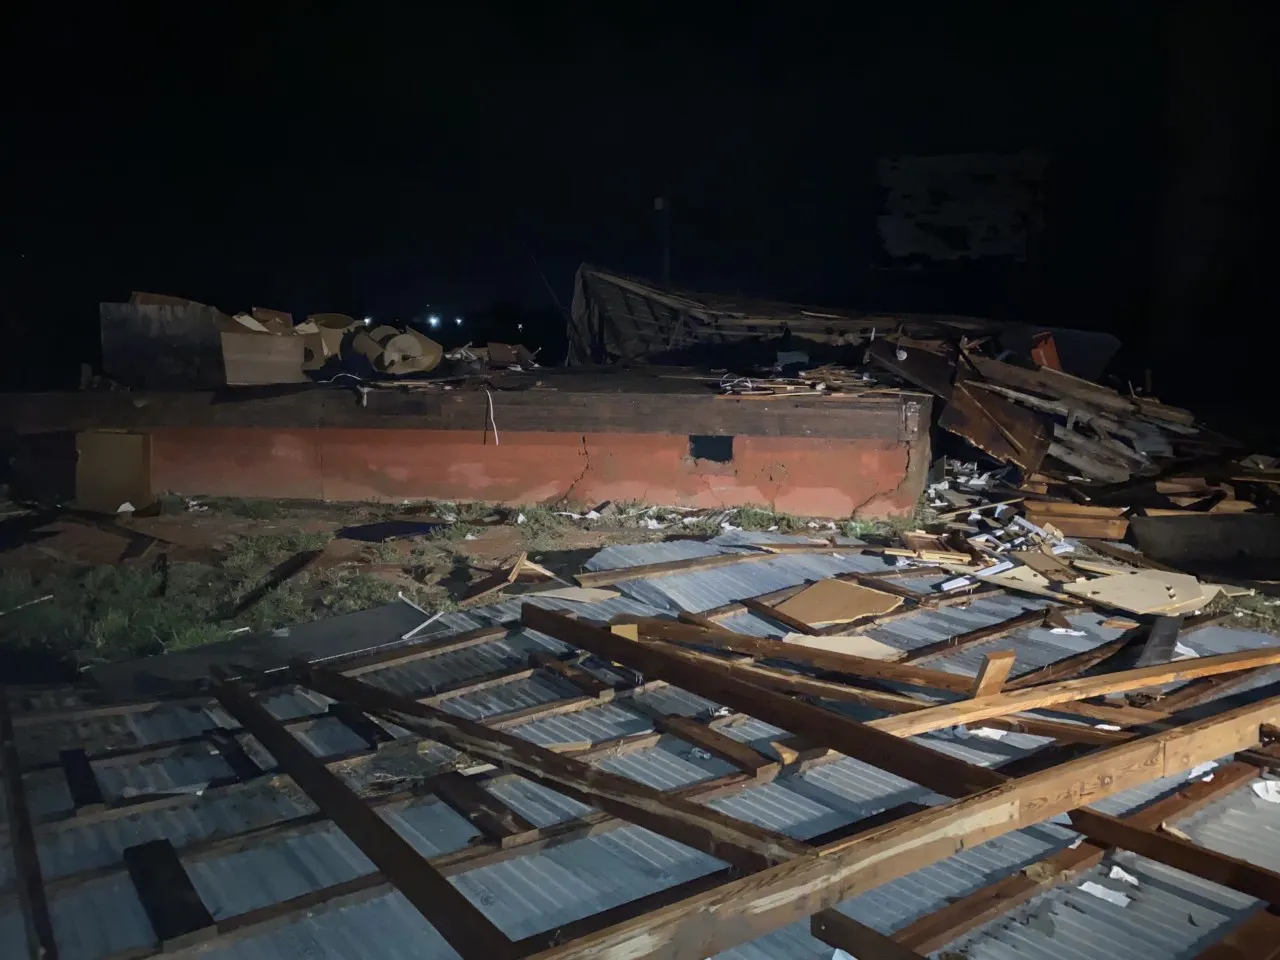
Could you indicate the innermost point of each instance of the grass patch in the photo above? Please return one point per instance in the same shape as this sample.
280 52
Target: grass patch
541 527
1259 612
753 517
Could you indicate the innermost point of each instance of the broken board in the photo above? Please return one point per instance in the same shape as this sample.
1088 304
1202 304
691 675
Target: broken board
854 646
1145 592
837 601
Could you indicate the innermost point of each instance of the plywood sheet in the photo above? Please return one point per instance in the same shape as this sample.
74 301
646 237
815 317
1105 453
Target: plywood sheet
836 601
1145 591
579 594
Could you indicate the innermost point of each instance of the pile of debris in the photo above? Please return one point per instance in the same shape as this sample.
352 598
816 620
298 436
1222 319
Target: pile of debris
162 342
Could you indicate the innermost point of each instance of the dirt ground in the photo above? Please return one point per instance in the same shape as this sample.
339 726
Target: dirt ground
78 589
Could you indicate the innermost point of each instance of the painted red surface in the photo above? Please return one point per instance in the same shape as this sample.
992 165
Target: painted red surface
811 477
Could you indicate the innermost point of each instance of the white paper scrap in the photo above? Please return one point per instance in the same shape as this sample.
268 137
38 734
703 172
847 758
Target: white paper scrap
1199 770
957 584
1119 873
1075 843
1068 632
1105 893
1182 652
990 733
1268 790
1105 726
520 518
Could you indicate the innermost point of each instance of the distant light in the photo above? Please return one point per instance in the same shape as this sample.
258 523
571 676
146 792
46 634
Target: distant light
519 326
458 321
368 320
433 320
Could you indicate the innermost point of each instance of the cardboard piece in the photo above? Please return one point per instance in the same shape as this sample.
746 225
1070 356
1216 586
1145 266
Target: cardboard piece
837 601
113 469
854 646
1146 592
256 358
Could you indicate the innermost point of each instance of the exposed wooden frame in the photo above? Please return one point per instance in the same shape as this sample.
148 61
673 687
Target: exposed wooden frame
26 861
1049 694
705 829
462 924
995 669
647 571
744 909
909 760
857 939
935 930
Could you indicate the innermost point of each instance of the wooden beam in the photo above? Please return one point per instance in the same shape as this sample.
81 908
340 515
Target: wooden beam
584 680
178 916
934 931
603 578
700 827
363 726
995 668
1049 694
445 908
741 755
489 814
778 616
912 761
22 841
82 782
1180 854
744 909
838 930
945 648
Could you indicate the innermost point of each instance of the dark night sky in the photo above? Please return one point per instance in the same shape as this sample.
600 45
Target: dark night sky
375 163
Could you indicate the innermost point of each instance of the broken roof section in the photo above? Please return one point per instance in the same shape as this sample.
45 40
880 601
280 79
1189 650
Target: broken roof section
261 863
616 317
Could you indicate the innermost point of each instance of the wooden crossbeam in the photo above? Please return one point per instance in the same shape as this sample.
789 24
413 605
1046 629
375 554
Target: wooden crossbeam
1257 938
1047 695
744 909
935 930
914 762
857 939
995 668
178 916
469 799
1180 854
700 827
445 908
778 616
26 861
741 755
604 578
82 782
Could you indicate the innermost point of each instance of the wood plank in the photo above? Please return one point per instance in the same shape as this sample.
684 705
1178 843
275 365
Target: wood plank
838 930
445 908
485 811
22 842
963 641
603 578
741 755
495 581
82 782
778 616
584 680
1257 938
912 761
1101 528
995 668
745 909
1180 854
935 930
702 828
1049 694
823 659
178 916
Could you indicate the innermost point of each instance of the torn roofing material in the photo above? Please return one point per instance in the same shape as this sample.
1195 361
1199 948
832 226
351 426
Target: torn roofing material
298 886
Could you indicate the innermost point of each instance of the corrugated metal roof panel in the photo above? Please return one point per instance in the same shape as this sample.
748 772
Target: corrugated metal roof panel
539 805
346 933
595 724
98 919
667 766
187 769
1242 825
1170 915
516 695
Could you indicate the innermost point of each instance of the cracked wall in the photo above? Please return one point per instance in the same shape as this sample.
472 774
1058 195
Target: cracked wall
800 475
